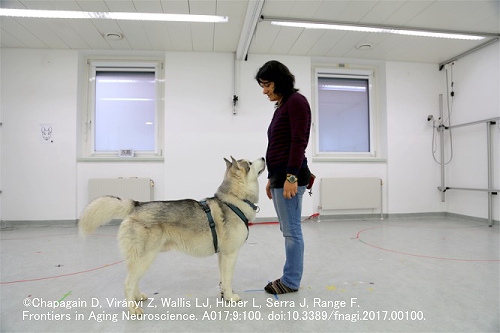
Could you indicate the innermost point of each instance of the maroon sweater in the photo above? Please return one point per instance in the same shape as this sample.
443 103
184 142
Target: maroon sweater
288 136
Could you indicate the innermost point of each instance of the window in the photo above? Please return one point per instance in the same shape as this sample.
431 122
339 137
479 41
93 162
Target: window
124 113
344 112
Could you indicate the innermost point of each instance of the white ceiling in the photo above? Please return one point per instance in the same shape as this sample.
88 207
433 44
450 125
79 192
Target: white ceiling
478 16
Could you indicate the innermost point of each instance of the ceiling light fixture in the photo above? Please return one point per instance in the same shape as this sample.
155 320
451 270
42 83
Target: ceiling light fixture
61 14
364 46
375 29
113 36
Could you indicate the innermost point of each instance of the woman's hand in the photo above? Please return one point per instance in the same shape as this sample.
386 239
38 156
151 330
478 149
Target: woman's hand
268 189
290 189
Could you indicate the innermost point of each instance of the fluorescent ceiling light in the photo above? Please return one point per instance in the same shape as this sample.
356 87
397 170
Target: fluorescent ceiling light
132 99
341 88
112 15
310 25
124 81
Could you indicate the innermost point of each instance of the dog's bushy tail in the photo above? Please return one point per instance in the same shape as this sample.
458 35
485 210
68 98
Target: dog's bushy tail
101 211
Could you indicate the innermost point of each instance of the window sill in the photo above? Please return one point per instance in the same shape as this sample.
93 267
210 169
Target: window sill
120 160
349 159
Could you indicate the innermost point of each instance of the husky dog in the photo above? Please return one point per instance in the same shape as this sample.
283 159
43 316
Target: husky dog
200 228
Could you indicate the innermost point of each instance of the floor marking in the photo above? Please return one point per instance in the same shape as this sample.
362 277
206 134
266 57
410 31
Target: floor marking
65 295
63 275
358 237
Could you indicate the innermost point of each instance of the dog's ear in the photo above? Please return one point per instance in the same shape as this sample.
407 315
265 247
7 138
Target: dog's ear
228 164
241 164
235 162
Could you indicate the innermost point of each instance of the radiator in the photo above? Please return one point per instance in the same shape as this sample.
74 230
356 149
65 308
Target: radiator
351 193
140 189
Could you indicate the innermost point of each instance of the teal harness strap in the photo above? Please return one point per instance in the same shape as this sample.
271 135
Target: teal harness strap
238 212
235 209
211 222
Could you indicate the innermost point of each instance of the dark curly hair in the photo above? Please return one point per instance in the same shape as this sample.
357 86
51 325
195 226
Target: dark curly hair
275 71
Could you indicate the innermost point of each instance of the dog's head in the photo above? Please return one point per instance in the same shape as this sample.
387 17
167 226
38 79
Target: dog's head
241 178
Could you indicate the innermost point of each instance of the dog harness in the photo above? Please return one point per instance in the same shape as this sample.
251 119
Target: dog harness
211 222
238 211
235 209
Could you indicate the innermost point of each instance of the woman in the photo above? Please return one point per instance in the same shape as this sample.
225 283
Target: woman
288 173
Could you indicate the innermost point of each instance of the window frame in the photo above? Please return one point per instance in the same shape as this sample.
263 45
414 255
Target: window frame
350 73
88 131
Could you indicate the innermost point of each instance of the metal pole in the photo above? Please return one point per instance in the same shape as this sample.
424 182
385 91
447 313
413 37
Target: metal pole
492 190
490 173
381 201
468 52
441 145
490 120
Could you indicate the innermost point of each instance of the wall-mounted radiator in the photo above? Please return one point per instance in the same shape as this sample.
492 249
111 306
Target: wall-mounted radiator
140 189
351 193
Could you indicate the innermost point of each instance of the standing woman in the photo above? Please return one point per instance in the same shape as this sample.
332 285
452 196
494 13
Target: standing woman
288 173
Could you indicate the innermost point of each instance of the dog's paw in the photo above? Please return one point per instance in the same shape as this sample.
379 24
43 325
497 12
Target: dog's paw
232 298
142 297
135 310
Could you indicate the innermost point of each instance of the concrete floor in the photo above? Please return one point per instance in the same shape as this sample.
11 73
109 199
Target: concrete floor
395 275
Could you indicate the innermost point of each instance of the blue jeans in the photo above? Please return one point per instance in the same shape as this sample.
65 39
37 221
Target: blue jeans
289 215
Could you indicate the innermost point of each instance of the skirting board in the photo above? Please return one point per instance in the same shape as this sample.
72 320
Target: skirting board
376 217
5 225
37 223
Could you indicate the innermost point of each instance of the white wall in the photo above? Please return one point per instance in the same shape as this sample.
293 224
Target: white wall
46 182
412 94
38 180
477 96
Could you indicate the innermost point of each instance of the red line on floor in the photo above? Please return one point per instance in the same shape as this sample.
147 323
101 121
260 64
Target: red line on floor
415 255
62 275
